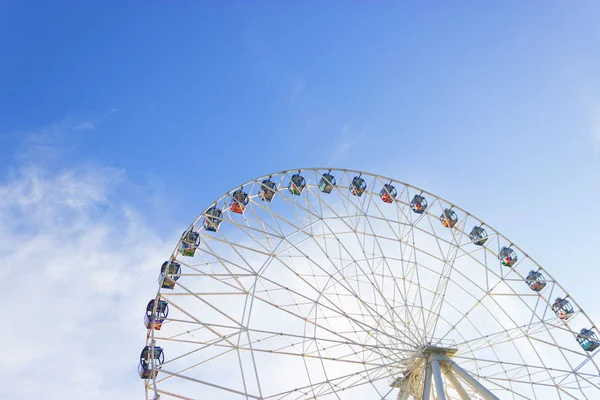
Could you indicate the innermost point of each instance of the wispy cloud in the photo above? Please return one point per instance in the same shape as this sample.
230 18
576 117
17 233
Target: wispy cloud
299 86
52 141
76 258
349 138
92 123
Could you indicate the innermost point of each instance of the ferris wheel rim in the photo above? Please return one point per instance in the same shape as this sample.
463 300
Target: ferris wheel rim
227 195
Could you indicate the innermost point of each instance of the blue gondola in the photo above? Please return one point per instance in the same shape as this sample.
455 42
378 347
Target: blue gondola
507 256
189 243
327 183
170 272
478 236
388 193
212 219
358 186
267 190
239 201
562 308
297 184
535 280
449 218
149 357
588 340
418 204
154 319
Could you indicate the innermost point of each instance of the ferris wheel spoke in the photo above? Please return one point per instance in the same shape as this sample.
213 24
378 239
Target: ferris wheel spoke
171 394
491 363
449 258
338 282
499 382
250 232
281 351
362 380
507 335
485 339
244 348
247 269
270 333
227 389
206 302
561 349
375 287
330 387
418 293
216 343
210 327
390 272
345 358
488 341
325 224
320 326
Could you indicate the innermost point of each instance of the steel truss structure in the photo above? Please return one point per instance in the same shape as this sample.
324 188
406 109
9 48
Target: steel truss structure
355 295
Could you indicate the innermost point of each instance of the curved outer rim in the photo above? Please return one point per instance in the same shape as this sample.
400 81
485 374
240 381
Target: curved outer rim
227 194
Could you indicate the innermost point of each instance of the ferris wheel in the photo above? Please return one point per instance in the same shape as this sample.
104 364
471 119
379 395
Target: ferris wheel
340 284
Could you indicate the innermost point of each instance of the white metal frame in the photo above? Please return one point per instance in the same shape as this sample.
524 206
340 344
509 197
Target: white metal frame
397 281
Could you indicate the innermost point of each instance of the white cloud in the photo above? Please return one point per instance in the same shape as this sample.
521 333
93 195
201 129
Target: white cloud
79 266
75 262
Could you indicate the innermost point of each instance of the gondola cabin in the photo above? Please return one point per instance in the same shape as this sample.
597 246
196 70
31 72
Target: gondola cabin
562 308
150 359
267 190
388 193
327 183
358 186
535 280
170 272
448 218
239 201
212 219
507 256
418 204
478 236
588 340
189 243
154 319
297 184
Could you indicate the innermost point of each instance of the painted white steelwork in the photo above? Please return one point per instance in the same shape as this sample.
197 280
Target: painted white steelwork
320 290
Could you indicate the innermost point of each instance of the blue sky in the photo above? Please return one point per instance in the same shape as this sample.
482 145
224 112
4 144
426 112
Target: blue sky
134 117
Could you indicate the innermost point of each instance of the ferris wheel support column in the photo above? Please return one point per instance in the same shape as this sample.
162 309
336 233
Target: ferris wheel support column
487 395
437 375
427 387
455 383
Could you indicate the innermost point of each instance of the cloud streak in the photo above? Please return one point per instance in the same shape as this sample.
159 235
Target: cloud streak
91 124
298 87
349 139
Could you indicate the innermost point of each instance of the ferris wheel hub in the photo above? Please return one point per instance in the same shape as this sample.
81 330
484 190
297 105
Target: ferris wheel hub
448 351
